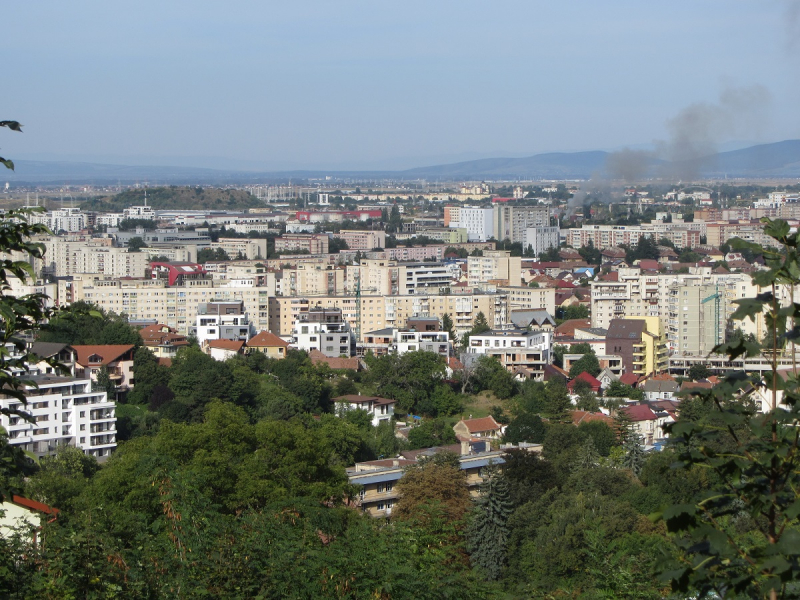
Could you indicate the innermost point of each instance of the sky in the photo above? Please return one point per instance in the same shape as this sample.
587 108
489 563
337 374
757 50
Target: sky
388 85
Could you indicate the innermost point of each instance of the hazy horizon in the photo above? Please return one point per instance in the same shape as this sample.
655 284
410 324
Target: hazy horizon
360 86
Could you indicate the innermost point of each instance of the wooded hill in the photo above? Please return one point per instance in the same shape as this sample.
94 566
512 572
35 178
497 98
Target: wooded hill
176 197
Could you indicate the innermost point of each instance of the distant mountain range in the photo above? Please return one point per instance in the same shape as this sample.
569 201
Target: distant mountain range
776 160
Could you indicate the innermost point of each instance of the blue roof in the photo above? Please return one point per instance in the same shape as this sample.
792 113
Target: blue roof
471 464
376 478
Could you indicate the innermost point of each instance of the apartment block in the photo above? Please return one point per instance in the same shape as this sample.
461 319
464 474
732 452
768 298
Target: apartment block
312 243
325 330
512 222
64 257
65 219
156 301
541 239
479 223
641 342
496 266
66 412
684 235
522 352
250 249
380 312
696 318
364 240
311 280
528 298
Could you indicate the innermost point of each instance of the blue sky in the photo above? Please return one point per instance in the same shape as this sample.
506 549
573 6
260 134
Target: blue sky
375 84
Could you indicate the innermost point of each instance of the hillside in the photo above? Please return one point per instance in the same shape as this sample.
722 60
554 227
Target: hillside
173 197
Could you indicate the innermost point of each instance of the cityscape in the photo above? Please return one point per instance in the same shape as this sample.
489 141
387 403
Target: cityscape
361 302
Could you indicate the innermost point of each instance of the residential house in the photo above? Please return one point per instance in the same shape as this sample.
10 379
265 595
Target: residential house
269 344
645 424
379 409
63 354
23 515
659 389
352 363
222 350
587 378
162 340
116 358
485 427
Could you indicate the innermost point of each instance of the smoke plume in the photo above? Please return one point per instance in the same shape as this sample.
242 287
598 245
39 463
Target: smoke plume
694 134
697 129
629 165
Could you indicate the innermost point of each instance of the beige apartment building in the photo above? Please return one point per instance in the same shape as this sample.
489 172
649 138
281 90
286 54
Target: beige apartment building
495 266
312 280
527 298
378 312
313 243
364 240
249 249
154 300
67 256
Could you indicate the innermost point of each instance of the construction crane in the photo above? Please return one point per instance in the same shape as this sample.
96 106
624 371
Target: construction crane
716 298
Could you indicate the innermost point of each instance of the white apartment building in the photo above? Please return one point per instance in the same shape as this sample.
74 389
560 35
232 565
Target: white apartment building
108 219
479 223
511 222
64 219
522 351
323 329
437 342
494 266
222 321
139 212
66 412
541 239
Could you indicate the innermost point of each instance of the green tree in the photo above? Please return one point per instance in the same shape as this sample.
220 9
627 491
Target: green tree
526 427
621 390
758 472
479 326
447 325
13 126
493 376
430 433
438 481
587 363
487 533
699 371
634 454
135 244
104 383
19 313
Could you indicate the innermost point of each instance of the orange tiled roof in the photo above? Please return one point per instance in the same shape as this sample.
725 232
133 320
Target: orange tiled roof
108 353
265 339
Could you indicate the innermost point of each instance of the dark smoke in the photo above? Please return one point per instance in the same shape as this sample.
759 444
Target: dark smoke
629 165
694 134
697 129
